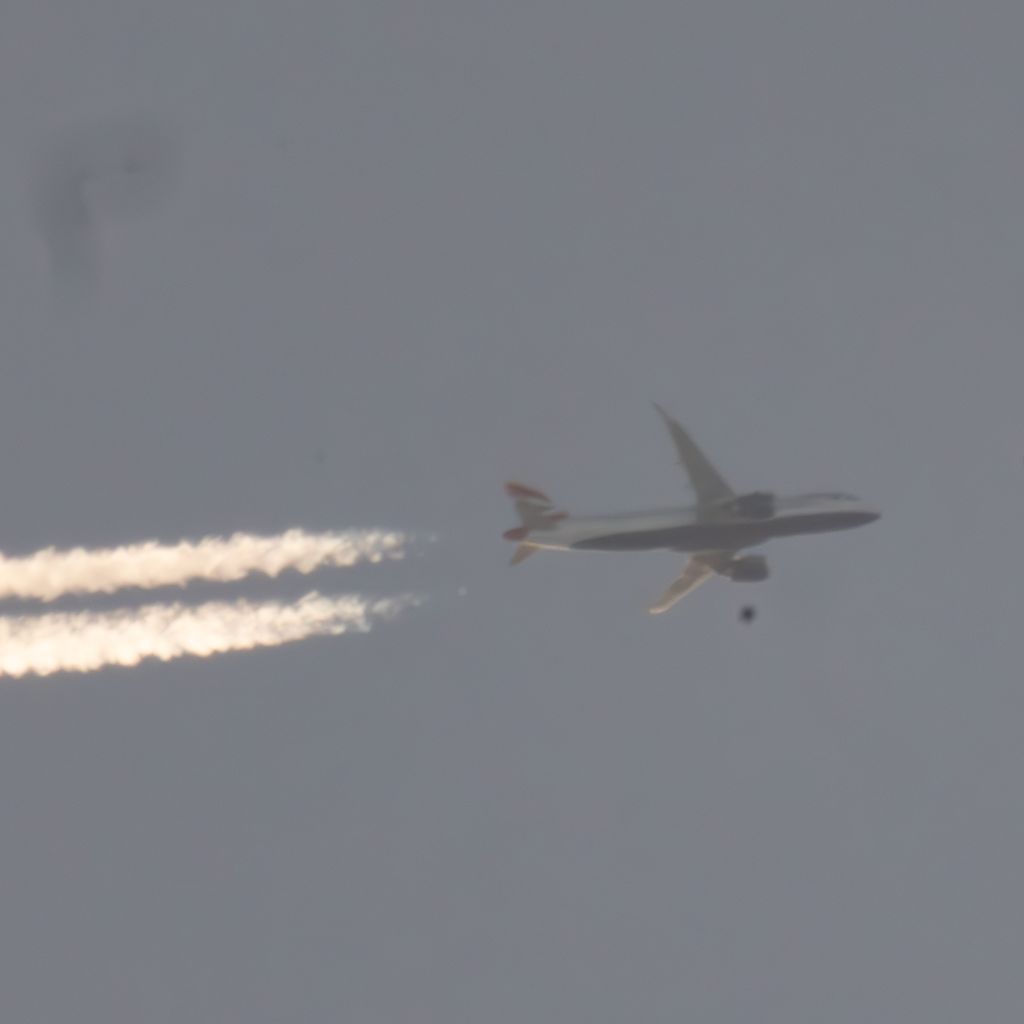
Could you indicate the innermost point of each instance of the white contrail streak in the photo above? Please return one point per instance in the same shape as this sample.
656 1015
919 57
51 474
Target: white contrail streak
49 574
87 641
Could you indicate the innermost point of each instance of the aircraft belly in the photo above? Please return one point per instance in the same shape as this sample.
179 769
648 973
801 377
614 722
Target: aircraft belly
731 536
694 537
818 522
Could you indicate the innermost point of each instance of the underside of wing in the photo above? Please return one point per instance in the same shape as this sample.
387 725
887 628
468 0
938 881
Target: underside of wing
696 572
708 484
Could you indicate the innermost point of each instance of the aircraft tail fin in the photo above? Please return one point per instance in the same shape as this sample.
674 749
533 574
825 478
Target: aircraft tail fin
536 512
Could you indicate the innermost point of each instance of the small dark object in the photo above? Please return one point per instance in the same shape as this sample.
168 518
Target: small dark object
747 613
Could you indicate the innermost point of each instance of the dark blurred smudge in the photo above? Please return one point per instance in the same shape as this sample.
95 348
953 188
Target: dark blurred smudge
120 168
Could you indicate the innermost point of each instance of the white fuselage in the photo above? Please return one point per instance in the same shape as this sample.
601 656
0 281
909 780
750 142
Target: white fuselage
691 529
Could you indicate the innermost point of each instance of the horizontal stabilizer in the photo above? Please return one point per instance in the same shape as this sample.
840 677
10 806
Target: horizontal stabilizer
523 551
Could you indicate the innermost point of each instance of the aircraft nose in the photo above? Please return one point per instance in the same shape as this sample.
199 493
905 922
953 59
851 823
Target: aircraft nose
870 515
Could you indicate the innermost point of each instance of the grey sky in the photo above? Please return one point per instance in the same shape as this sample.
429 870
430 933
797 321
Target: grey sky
413 250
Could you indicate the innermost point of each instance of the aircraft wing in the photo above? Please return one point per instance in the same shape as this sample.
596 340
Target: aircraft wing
708 484
696 572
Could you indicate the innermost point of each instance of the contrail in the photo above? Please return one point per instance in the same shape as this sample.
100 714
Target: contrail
49 574
87 641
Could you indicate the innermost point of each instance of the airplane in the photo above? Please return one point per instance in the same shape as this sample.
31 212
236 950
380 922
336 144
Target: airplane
713 531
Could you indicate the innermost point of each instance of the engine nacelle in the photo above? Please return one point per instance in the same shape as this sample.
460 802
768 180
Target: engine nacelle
756 505
748 569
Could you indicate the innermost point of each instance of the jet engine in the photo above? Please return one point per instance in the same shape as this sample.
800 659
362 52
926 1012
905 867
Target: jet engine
756 505
748 569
